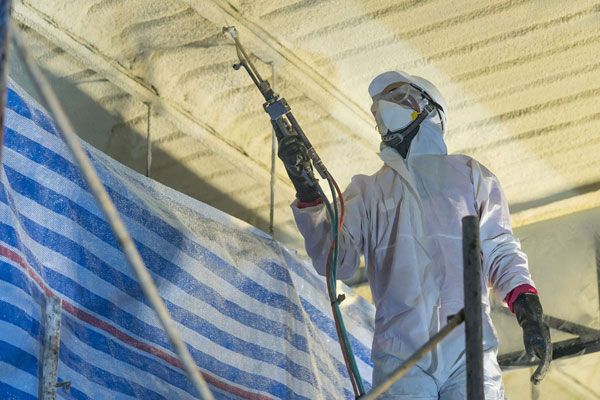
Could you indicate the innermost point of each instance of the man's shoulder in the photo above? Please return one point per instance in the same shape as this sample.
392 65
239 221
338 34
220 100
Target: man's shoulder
461 158
365 180
468 161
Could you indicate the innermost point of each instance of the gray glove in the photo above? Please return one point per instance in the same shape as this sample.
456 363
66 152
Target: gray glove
536 335
294 155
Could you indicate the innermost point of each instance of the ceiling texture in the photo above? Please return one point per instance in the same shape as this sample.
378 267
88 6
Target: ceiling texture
522 80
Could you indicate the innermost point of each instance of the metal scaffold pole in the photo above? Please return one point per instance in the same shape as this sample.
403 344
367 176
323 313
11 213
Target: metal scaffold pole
5 9
472 299
51 347
112 216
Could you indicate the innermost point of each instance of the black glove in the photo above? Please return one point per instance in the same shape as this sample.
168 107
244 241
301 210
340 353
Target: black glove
536 335
293 153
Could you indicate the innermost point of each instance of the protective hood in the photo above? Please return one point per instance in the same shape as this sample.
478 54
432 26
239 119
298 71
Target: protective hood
430 136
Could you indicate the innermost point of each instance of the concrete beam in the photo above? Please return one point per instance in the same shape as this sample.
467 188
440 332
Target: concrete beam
556 209
182 119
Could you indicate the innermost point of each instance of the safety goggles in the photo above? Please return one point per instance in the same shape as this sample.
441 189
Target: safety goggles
403 94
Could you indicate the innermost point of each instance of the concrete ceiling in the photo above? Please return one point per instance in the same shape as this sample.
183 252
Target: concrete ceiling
522 79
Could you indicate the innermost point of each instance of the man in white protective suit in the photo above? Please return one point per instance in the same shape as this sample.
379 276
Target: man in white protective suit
406 221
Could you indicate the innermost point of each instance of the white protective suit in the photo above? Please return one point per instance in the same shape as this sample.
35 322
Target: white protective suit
406 221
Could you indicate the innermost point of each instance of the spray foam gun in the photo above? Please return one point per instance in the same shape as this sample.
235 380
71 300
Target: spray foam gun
285 124
277 107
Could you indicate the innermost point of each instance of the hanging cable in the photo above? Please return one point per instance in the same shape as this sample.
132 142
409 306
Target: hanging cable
273 164
332 287
148 140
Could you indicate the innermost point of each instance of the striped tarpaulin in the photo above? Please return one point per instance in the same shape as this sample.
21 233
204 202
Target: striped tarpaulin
255 316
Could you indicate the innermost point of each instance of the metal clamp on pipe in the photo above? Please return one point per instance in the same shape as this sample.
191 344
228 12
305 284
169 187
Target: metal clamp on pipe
277 109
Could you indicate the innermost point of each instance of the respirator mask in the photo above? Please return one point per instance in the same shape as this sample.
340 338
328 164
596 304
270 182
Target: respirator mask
399 111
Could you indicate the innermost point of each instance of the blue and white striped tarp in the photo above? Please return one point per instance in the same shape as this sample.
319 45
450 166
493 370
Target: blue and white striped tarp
256 317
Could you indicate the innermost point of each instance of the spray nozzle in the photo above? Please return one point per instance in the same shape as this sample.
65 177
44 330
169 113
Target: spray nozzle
231 31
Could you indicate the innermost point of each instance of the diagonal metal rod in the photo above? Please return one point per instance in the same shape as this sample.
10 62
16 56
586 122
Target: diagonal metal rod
562 325
5 10
112 216
563 349
570 327
414 359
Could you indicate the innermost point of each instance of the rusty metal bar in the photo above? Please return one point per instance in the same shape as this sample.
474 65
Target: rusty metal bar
50 349
472 299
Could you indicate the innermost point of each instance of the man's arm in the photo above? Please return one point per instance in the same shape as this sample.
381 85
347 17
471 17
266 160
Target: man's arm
504 264
314 225
311 215
505 267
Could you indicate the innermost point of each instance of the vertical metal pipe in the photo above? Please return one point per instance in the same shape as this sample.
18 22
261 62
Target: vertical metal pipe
273 159
472 298
148 141
50 349
5 8
535 391
597 245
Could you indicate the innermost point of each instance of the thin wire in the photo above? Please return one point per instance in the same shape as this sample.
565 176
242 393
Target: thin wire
112 216
148 141
273 159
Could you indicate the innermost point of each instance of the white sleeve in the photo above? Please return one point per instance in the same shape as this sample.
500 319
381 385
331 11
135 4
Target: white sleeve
504 264
314 226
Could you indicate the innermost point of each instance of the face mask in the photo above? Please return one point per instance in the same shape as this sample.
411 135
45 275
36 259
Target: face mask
398 107
399 113
392 117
